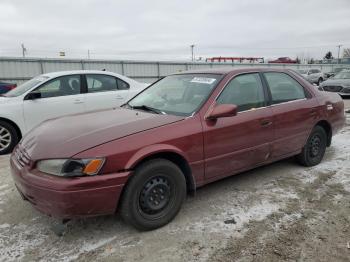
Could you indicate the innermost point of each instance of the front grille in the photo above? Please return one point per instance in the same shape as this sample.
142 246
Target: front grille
22 157
346 90
333 88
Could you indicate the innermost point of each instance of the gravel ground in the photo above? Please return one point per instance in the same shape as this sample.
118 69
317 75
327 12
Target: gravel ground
280 212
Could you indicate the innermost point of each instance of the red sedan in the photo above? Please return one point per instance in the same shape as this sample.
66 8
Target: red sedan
183 132
284 60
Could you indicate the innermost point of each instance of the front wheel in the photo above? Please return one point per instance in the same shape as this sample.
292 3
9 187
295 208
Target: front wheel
8 138
154 195
315 148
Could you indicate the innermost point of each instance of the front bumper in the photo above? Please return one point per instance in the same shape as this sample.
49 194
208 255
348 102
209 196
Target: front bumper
67 198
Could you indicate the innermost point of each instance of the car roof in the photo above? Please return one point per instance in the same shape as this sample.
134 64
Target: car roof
230 70
71 72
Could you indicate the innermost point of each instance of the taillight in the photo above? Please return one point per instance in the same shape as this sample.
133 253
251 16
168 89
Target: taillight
12 86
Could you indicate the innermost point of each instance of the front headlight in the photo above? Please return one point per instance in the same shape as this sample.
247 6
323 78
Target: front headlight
71 167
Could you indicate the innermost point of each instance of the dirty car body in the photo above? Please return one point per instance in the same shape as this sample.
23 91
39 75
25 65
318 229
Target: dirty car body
243 120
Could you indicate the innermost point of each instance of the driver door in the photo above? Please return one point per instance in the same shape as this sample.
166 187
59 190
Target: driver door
232 144
57 97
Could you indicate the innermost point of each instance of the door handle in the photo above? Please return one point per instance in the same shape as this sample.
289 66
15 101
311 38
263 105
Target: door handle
78 101
265 122
119 97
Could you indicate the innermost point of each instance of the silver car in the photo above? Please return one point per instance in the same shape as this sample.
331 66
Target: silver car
313 75
339 83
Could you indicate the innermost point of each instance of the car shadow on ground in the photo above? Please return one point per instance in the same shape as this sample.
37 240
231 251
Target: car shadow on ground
241 182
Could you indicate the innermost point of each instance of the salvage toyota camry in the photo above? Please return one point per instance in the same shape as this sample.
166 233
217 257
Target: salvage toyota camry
183 132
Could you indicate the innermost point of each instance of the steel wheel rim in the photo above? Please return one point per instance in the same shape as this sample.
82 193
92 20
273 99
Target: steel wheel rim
5 138
155 197
315 146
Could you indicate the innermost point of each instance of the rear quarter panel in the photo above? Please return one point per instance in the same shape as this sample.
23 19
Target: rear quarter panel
332 110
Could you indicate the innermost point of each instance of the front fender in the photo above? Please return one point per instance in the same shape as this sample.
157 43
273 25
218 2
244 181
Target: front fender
152 150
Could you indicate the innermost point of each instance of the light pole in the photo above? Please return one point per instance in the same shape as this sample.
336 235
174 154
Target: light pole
24 50
192 54
339 52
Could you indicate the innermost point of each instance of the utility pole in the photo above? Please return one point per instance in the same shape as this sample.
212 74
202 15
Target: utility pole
192 54
88 53
24 50
339 46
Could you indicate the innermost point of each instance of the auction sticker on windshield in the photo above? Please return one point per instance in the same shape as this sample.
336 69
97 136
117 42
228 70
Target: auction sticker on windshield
203 80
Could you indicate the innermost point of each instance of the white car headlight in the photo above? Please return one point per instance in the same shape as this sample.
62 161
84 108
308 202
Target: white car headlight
71 167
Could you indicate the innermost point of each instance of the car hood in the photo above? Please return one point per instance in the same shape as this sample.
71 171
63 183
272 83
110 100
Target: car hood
5 100
338 82
67 136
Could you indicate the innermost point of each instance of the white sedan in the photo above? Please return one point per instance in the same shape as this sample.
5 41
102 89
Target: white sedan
57 94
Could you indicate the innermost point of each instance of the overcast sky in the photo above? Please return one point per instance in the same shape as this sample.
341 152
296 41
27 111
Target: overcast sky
165 29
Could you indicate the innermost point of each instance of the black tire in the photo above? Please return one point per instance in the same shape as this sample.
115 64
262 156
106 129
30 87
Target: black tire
320 80
313 152
154 194
5 130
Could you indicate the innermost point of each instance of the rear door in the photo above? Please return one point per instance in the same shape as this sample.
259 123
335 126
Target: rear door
243 141
293 110
57 97
105 91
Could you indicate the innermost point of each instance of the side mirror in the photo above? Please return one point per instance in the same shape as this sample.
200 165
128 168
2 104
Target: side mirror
32 96
224 110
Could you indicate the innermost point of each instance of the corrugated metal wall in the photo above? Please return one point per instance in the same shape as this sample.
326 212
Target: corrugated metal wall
19 70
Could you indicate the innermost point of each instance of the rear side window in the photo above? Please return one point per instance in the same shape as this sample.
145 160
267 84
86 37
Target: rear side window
104 83
122 85
101 83
283 88
245 91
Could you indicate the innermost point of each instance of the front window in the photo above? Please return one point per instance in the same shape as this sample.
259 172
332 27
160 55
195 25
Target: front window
342 75
177 94
21 89
60 86
246 91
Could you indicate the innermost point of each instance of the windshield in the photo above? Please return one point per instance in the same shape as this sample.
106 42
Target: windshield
342 75
21 89
302 71
179 95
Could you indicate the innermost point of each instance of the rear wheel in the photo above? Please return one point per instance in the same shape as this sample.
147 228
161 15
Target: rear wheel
313 152
154 195
8 137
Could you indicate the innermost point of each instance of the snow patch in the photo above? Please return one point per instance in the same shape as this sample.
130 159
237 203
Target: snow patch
17 240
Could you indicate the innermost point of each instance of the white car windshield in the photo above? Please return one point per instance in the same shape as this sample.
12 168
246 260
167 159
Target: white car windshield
179 95
23 88
302 71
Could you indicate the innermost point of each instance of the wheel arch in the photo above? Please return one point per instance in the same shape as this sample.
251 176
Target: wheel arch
18 130
170 154
328 128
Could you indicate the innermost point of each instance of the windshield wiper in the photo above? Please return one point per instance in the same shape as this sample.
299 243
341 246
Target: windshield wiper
148 108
